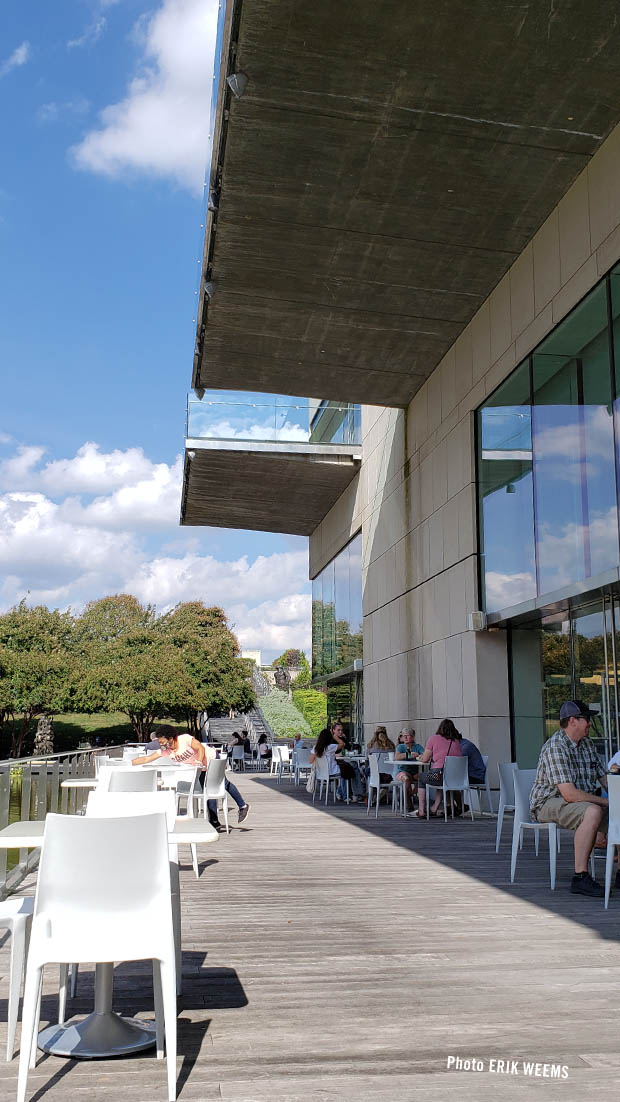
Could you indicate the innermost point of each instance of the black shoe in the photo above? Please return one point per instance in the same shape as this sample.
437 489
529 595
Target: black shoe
243 813
617 880
583 884
218 826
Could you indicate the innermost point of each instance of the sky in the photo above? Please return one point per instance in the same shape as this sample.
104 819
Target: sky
104 119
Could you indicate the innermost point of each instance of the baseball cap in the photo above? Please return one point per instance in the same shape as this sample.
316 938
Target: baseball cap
575 708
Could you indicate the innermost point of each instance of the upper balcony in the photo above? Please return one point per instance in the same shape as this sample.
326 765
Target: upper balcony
267 463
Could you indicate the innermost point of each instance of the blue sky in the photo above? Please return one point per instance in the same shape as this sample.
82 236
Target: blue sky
104 110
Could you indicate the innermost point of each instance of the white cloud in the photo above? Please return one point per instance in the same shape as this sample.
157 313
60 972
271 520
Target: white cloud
19 57
91 35
79 528
161 125
505 590
68 109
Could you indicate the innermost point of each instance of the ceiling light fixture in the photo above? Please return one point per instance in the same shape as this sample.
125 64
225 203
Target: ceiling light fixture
237 82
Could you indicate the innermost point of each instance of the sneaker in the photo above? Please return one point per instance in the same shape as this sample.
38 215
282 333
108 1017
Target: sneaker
583 884
244 812
219 827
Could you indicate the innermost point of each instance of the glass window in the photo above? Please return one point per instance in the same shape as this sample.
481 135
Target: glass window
337 611
573 449
506 499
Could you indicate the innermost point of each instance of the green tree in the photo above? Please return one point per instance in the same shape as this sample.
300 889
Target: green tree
211 655
291 659
37 659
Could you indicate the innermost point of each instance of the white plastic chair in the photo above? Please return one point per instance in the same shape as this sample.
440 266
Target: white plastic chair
215 788
523 781
238 756
483 786
506 796
275 759
302 764
112 908
375 784
455 779
133 779
285 762
16 916
324 777
613 830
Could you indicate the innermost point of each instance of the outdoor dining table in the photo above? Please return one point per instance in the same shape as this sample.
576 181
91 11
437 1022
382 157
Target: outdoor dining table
105 1033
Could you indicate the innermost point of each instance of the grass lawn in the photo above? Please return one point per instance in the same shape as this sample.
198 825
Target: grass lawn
111 728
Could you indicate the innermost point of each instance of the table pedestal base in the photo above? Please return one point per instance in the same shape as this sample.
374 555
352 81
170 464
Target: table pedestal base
98 1036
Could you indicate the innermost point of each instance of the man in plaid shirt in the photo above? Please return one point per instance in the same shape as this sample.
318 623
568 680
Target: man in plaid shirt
565 790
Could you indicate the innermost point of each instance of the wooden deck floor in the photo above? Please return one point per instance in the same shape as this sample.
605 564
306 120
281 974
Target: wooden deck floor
331 957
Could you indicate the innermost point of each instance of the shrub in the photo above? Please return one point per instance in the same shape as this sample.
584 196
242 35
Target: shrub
313 706
282 716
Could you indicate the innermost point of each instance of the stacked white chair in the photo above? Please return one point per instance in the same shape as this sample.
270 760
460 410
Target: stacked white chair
117 907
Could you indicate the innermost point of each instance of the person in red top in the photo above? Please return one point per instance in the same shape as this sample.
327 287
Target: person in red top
445 743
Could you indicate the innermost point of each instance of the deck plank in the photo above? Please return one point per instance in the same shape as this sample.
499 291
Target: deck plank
332 956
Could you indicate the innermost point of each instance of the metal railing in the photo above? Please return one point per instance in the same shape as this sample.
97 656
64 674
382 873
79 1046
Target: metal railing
29 789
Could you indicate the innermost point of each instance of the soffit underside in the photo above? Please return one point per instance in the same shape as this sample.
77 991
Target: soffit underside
384 168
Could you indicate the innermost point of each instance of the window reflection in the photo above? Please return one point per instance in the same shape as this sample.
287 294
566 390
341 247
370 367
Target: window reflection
547 474
337 611
505 474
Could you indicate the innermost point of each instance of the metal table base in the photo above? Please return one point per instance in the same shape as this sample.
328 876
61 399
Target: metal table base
103 1033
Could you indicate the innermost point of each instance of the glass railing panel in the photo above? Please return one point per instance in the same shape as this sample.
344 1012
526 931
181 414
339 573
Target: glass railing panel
217 416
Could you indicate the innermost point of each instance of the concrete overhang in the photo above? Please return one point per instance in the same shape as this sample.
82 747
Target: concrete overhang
266 487
383 168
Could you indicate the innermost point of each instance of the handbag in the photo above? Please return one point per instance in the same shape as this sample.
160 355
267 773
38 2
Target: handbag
311 782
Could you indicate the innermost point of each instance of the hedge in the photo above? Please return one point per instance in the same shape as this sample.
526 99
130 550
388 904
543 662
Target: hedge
313 706
282 715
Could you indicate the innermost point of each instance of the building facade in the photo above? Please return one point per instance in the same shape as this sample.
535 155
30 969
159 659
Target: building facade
496 489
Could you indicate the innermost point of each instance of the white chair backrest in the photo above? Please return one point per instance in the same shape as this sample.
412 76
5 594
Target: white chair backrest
285 753
303 758
322 768
133 779
523 781
100 759
455 771
507 782
275 753
485 758
381 755
103 805
613 790
215 779
91 867
373 761
237 753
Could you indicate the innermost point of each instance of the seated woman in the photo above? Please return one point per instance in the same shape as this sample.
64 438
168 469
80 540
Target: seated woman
380 743
264 751
445 743
328 745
